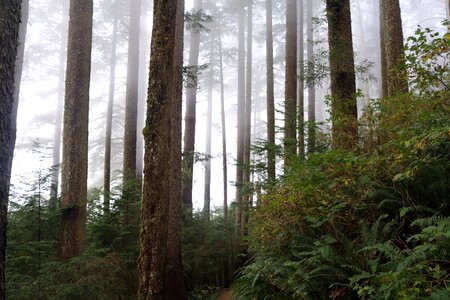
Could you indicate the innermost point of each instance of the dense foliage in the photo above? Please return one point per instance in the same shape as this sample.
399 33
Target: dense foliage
372 223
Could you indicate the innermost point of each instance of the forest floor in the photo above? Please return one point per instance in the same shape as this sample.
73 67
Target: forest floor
225 295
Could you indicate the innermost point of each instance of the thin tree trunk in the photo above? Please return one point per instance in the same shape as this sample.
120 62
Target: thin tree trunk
311 85
270 95
160 188
224 133
207 192
290 102
447 11
9 30
59 109
240 112
75 137
366 87
190 119
343 87
396 80
301 81
248 119
109 116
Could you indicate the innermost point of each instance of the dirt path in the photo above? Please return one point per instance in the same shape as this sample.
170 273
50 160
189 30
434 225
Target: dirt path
225 295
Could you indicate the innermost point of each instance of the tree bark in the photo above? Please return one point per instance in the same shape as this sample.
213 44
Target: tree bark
75 134
190 119
54 185
109 116
161 179
9 32
290 102
343 86
174 285
391 29
270 95
311 85
301 81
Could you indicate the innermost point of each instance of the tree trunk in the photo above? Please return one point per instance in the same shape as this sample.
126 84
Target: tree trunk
130 191
248 119
9 31
189 119
290 102
270 95
343 87
224 133
240 112
109 116
311 85
392 35
174 285
75 136
301 81
447 11
54 185
207 192
161 179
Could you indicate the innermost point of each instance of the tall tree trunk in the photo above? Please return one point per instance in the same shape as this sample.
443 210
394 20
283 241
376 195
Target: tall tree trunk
392 32
190 119
343 87
290 102
174 285
311 85
270 95
248 118
109 116
75 136
301 81
59 108
161 179
130 191
224 133
240 111
207 192
9 31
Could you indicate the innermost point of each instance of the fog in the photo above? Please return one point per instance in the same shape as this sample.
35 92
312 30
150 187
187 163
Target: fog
40 89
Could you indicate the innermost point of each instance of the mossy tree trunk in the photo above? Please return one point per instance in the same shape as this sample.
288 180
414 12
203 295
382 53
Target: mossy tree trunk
72 233
174 266
343 86
159 264
9 35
